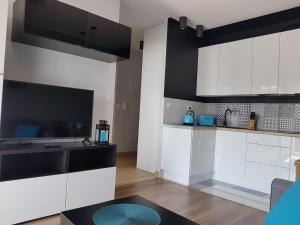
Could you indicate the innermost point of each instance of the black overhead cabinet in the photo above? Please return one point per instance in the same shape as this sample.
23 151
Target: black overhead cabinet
55 25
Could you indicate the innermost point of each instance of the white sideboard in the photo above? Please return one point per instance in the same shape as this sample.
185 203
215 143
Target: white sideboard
28 199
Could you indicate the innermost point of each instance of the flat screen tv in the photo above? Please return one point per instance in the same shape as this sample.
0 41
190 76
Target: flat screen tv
31 111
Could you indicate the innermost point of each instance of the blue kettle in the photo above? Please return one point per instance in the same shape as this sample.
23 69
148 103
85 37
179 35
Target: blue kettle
189 118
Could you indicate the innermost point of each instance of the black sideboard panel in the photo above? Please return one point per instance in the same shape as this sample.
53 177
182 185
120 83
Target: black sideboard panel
181 62
263 25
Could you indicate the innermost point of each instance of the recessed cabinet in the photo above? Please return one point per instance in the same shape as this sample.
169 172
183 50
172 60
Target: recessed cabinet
265 64
289 66
208 71
3 26
235 68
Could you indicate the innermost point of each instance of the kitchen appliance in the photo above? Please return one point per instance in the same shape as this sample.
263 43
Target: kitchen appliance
206 120
189 118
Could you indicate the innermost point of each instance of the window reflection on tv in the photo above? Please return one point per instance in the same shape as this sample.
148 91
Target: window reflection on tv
32 111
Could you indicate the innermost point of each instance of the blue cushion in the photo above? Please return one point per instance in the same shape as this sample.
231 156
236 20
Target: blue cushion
287 210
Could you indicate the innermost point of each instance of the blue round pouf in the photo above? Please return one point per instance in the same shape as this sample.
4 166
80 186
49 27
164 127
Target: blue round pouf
126 214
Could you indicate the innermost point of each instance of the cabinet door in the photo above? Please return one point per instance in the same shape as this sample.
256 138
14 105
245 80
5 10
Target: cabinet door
295 155
57 20
265 64
176 150
28 199
203 154
230 153
108 36
3 26
235 68
208 70
289 66
90 187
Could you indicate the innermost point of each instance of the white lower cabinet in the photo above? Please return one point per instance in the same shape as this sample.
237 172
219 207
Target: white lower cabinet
230 156
33 198
187 154
260 176
295 155
90 187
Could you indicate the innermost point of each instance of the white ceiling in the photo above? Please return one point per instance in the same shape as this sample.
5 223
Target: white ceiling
143 14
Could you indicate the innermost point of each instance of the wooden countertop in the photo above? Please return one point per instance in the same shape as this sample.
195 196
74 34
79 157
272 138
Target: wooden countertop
266 132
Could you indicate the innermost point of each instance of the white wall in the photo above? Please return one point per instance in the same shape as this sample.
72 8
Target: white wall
28 63
175 109
128 87
3 26
151 106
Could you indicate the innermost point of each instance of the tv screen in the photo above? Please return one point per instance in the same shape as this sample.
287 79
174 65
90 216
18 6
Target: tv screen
32 111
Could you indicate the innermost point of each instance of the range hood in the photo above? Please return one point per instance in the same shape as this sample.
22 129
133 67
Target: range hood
57 26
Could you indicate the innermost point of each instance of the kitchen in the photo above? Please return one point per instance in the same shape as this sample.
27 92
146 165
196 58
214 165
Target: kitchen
240 74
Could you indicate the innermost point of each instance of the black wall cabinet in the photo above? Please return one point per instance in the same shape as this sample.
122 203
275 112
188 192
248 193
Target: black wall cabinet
55 25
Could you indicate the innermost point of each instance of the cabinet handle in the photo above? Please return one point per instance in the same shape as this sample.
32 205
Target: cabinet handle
82 33
93 27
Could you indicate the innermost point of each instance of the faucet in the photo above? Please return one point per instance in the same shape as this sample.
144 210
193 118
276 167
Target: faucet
225 117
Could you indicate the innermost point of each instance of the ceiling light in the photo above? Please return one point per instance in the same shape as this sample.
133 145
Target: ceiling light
199 31
183 22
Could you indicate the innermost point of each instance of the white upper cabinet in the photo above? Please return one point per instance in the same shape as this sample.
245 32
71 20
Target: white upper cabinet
289 66
3 26
208 70
265 64
235 68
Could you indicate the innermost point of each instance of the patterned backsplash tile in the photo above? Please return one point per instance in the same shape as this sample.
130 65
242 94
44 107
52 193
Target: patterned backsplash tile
275 117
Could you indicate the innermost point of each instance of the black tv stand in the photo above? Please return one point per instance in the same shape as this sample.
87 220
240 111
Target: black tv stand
52 145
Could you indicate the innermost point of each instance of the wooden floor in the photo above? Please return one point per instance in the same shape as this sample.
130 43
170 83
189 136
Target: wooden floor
200 207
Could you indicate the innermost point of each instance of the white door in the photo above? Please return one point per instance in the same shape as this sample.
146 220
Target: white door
235 68
3 26
289 66
230 154
265 64
28 199
208 70
176 153
90 187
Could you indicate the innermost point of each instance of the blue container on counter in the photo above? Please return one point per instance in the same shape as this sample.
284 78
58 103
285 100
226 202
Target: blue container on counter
206 120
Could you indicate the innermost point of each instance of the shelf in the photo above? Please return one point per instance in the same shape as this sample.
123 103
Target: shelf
90 159
31 165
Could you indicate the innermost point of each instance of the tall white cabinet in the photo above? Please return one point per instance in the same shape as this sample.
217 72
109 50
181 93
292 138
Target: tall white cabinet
208 70
235 64
265 64
3 27
289 66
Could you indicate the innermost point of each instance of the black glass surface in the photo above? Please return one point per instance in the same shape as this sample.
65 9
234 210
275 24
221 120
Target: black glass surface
32 111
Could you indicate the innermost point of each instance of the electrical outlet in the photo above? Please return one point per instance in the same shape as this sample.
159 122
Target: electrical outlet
189 107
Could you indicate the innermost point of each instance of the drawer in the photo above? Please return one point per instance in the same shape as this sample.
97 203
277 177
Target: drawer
269 155
264 173
272 140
